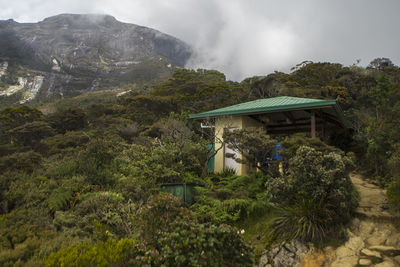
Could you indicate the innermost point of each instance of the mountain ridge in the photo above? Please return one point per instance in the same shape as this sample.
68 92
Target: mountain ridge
74 53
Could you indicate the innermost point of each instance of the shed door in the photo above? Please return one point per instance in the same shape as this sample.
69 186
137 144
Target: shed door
230 163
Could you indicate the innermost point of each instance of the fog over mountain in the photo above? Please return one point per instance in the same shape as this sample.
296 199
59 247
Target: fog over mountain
245 38
70 54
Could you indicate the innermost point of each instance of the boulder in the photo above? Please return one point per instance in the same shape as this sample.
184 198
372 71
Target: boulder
375 256
350 261
285 254
355 243
385 264
343 252
366 228
393 240
386 250
364 262
263 261
376 239
397 260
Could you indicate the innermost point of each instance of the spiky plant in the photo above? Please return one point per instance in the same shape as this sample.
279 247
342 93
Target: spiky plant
307 220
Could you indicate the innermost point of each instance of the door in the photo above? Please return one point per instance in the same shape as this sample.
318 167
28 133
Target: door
229 162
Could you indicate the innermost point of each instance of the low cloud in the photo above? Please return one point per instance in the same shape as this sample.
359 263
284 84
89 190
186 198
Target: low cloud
255 37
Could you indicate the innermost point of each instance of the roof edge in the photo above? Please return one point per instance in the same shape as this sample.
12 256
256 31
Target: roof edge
211 114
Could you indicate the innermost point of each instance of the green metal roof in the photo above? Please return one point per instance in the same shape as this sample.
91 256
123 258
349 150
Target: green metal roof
268 104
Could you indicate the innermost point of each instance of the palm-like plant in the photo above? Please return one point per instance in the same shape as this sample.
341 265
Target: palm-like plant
307 220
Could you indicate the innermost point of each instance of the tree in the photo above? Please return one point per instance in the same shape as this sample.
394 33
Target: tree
13 117
254 145
68 120
381 63
31 133
200 90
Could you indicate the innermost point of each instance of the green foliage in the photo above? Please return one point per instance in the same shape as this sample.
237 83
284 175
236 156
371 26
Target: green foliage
143 168
292 143
31 133
107 208
108 160
24 161
94 162
59 142
145 109
13 117
199 90
380 63
70 119
227 198
263 87
193 244
103 253
308 220
174 231
255 146
59 198
322 183
169 235
158 215
393 192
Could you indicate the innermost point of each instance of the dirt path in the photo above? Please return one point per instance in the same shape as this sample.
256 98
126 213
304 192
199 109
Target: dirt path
373 200
373 240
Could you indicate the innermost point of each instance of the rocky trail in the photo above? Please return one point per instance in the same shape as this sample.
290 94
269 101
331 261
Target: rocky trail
373 239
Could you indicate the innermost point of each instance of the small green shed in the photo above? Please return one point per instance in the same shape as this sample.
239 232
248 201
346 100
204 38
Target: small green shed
184 191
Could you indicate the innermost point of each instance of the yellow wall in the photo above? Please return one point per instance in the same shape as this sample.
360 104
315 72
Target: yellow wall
222 123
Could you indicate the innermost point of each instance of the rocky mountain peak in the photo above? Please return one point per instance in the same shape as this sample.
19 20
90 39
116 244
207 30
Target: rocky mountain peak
81 20
74 53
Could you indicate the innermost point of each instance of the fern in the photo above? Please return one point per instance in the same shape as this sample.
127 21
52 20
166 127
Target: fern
59 199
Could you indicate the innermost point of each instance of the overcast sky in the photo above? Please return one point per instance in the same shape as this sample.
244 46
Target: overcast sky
244 38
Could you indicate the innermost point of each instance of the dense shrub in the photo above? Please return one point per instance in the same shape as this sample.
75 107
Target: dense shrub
169 236
13 117
193 244
228 198
70 119
103 253
24 161
106 208
393 192
57 143
94 162
31 133
319 181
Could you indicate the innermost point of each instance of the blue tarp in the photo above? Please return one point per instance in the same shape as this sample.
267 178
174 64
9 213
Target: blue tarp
275 151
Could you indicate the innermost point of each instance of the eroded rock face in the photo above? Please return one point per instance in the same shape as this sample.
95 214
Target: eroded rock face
284 254
95 51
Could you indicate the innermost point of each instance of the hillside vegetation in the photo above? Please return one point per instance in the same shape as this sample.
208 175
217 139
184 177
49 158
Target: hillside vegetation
80 182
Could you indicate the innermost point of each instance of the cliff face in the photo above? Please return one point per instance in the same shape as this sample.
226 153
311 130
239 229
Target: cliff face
68 54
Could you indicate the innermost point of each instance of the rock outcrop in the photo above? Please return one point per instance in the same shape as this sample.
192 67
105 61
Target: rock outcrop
78 53
372 238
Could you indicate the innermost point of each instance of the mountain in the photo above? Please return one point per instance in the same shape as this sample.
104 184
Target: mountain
70 54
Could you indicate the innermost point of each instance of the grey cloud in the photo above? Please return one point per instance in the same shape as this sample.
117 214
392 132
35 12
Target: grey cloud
253 37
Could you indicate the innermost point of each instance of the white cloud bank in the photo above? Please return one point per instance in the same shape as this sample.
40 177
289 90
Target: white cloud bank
253 37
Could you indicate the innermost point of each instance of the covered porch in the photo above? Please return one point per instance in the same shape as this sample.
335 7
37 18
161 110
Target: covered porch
278 116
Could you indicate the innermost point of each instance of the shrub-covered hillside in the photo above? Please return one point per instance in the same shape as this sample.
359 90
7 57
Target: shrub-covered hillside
80 184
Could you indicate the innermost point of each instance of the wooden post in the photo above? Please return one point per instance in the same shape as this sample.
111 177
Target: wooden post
325 132
313 135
